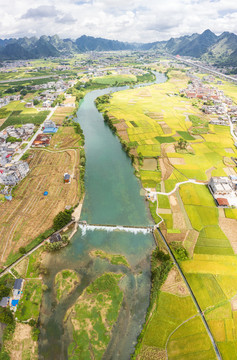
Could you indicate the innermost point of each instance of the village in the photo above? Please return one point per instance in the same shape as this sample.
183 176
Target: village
214 101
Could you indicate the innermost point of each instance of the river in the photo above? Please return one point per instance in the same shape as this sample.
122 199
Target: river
112 197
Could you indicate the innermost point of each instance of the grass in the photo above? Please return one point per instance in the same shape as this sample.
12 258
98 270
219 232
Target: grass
29 305
152 207
93 316
112 258
34 260
65 282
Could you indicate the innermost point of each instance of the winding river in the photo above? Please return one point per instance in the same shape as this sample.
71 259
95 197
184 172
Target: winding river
112 197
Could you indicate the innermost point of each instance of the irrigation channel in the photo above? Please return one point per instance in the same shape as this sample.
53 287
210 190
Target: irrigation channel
112 197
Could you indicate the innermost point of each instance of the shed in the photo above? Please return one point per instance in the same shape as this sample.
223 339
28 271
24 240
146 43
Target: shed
66 178
222 202
4 302
18 284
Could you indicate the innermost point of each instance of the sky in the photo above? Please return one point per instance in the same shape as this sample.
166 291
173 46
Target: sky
124 20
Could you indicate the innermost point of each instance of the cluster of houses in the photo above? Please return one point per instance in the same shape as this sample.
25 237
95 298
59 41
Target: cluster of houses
12 301
12 173
50 92
7 99
43 140
8 149
197 89
224 190
220 106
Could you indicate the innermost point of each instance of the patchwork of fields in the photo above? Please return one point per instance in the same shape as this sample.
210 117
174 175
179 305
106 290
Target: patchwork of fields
203 237
30 213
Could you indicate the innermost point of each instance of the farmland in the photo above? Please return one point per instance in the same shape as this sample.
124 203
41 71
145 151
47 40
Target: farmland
30 213
151 120
15 113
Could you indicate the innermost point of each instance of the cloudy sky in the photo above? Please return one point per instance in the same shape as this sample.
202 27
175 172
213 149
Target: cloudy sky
125 20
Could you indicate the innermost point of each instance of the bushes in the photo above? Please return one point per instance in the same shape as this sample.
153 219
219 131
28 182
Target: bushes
180 251
62 219
6 316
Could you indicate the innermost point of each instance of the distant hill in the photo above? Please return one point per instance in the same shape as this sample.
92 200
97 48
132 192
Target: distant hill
220 50
89 43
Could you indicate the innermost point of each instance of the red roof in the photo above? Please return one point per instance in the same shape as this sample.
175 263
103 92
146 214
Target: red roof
222 202
8 156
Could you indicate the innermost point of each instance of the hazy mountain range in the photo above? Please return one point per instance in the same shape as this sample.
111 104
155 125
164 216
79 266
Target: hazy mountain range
220 49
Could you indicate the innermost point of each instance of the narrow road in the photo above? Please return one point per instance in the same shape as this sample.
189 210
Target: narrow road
39 131
28 78
218 355
232 129
176 187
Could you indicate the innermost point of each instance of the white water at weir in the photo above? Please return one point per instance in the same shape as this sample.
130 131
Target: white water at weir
134 230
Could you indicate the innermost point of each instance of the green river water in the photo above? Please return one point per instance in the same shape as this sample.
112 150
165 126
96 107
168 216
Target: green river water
112 197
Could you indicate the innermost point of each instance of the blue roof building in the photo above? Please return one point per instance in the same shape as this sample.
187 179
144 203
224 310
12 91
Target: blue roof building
15 302
50 130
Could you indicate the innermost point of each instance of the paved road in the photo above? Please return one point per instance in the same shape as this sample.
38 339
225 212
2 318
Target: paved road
232 129
207 69
176 187
29 78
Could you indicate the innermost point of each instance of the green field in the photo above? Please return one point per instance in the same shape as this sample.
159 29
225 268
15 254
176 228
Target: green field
22 117
29 305
115 79
93 316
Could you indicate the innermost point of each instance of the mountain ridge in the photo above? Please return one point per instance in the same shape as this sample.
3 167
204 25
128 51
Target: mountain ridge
206 46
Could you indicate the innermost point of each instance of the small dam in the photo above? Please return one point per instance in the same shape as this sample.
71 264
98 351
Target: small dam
109 228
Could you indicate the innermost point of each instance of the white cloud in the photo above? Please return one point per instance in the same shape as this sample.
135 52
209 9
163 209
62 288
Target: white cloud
125 20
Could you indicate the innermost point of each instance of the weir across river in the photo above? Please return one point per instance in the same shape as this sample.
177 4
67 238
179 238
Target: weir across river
107 227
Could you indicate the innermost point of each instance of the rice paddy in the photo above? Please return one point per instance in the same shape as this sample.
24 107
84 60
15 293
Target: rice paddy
156 118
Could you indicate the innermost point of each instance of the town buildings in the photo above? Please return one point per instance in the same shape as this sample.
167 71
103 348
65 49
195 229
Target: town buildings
224 190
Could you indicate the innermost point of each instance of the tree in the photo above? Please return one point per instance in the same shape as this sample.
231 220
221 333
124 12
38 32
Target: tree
62 219
182 143
22 250
4 291
36 102
6 316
